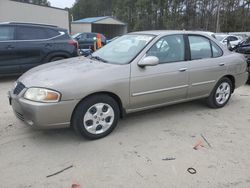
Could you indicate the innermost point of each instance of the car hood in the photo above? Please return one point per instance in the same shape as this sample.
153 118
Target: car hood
71 74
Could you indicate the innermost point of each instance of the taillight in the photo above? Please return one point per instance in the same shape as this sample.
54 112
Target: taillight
73 43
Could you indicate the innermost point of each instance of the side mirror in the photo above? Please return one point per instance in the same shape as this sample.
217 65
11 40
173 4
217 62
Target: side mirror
78 38
149 61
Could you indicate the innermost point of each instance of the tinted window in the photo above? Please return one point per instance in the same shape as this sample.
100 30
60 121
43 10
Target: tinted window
6 33
217 52
91 35
52 33
199 47
169 49
83 36
232 38
248 41
31 33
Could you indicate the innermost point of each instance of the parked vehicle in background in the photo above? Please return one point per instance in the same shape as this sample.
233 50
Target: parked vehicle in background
233 39
211 34
135 72
244 48
26 45
87 40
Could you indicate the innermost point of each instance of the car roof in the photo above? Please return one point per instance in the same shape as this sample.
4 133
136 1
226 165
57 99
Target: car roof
168 32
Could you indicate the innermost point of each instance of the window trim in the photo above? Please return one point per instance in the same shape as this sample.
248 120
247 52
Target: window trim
61 33
185 51
210 41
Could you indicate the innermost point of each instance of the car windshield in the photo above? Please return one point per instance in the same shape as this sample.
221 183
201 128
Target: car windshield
124 49
76 35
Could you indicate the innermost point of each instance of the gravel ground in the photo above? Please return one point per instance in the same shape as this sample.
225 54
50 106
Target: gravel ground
131 156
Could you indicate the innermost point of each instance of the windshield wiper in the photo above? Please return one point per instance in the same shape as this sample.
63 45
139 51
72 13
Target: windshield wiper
98 58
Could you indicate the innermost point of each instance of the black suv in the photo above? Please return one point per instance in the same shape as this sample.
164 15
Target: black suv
26 45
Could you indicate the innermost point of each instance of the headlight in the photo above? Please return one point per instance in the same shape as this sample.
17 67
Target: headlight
42 95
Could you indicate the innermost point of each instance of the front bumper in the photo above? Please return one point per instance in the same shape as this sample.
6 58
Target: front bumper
42 115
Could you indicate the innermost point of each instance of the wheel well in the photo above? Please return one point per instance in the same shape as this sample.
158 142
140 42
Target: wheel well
232 80
57 54
114 96
52 57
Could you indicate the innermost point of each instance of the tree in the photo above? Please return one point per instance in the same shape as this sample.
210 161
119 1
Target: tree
226 15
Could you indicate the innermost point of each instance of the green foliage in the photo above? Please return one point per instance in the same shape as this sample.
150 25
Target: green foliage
223 15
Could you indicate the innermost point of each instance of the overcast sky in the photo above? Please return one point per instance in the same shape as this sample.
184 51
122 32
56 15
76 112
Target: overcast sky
62 3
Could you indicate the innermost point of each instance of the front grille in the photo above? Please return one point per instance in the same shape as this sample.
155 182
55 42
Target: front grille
18 89
19 116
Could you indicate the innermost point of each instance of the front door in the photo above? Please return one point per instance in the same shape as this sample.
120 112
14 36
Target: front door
164 83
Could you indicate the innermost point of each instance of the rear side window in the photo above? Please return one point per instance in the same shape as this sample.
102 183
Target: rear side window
232 38
31 33
200 47
91 35
52 33
217 51
6 33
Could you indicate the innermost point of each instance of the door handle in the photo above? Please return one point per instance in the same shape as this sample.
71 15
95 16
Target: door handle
221 64
182 69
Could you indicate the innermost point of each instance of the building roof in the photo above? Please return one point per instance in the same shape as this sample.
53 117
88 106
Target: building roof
99 20
91 20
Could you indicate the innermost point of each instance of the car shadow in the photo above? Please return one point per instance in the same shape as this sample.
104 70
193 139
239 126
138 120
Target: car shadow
196 107
7 79
68 134
55 136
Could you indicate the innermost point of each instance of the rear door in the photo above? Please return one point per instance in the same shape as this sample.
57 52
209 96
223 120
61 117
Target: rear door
32 46
206 65
9 62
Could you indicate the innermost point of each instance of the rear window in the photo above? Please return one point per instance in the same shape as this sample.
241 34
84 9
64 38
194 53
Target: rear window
217 51
52 33
6 33
31 33
91 35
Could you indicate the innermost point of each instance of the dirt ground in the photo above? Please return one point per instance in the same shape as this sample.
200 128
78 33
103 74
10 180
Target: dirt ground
132 156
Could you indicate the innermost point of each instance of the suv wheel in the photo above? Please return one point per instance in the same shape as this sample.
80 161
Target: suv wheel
220 94
56 59
96 116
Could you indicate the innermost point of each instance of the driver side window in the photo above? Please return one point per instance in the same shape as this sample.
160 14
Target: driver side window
169 49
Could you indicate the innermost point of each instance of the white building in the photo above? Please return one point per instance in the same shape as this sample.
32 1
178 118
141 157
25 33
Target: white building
26 12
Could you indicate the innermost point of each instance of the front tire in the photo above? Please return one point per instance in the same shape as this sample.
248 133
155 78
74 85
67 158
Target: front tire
220 94
96 116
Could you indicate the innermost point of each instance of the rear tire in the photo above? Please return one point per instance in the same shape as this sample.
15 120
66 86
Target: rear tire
96 116
56 59
221 93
